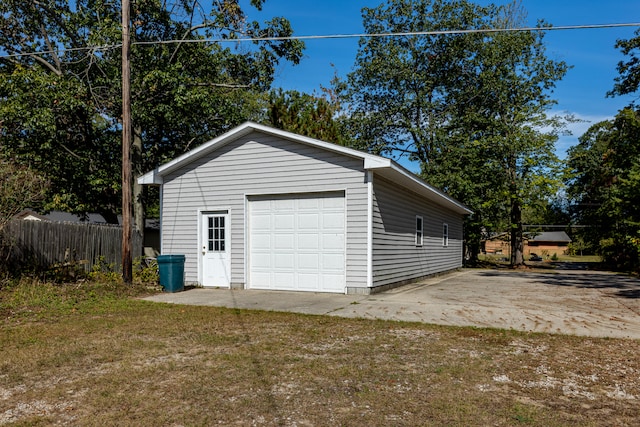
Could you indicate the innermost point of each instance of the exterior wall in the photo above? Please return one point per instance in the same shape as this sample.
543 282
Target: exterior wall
500 247
396 258
260 164
546 248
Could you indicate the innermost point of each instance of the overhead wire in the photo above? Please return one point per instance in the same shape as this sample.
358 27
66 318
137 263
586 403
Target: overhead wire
332 36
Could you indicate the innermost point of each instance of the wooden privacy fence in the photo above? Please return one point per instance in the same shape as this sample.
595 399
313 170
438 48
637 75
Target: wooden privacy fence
44 244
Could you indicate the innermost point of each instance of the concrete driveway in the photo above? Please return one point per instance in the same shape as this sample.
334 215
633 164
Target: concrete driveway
578 302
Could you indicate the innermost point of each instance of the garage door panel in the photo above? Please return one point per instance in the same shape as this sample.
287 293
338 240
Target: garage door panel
333 203
261 241
308 261
332 241
261 260
308 221
333 283
308 242
333 221
332 262
309 204
308 281
261 222
285 205
284 241
285 222
284 260
297 243
261 280
284 281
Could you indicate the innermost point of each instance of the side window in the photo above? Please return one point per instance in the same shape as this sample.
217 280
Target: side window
418 230
445 234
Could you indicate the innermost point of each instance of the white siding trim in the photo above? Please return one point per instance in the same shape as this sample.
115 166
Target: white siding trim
161 222
369 229
245 250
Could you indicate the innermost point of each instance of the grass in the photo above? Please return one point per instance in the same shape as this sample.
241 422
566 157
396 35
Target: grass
91 354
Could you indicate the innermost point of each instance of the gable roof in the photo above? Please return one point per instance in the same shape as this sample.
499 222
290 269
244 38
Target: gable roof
382 166
552 236
30 215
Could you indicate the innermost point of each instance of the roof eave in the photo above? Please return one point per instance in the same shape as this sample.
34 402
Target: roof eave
402 176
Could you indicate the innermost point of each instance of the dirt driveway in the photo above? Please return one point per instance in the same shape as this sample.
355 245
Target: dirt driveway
578 302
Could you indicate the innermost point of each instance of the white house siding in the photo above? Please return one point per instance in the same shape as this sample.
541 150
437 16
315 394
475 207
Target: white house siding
396 258
260 164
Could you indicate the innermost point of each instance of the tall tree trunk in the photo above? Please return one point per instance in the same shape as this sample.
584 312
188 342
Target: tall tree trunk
517 244
517 241
473 240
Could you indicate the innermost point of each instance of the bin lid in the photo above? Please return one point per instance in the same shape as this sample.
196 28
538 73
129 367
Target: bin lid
170 258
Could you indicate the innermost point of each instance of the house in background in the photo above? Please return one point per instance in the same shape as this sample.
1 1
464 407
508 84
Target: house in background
497 244
548 243
261 208
540 243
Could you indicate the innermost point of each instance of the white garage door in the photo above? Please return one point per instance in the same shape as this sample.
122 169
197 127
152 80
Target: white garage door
297 243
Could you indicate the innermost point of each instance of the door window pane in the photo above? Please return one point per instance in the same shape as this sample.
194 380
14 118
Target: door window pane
216 234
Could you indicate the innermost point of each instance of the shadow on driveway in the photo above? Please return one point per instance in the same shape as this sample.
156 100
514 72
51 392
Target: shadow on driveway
620 285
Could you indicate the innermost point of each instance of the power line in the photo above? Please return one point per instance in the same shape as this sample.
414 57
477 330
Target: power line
335 36
402 34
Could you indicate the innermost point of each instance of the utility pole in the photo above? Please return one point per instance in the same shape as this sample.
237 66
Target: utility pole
127 262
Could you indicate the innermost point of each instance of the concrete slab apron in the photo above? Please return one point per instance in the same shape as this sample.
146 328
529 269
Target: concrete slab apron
598 304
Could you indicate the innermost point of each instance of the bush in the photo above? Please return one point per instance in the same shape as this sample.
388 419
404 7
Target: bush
145 271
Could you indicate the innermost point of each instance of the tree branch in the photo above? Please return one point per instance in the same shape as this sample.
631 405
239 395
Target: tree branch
184 36
225 85
47 41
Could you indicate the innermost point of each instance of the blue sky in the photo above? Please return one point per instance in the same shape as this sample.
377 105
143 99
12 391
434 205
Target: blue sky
591 52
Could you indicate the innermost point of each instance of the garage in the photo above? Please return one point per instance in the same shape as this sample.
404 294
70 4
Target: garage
297 242
262 208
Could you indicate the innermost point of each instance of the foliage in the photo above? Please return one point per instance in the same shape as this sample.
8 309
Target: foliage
304 114
20 188
629 79
603 181
470 107
61 88
145 272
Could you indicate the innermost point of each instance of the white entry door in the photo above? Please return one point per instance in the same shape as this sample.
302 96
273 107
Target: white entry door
215 258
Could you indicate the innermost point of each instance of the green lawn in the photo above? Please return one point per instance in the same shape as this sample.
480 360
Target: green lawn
94 355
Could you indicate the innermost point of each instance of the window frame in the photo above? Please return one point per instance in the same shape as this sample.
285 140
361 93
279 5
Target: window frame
445 234
419 232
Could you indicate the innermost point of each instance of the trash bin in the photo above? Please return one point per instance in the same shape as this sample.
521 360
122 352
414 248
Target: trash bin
171 269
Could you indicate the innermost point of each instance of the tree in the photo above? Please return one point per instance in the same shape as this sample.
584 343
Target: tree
603 182
470 107
60 92
309 115
20 188
629 79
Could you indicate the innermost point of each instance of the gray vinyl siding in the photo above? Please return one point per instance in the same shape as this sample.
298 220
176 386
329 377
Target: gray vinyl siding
260 164
396 258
